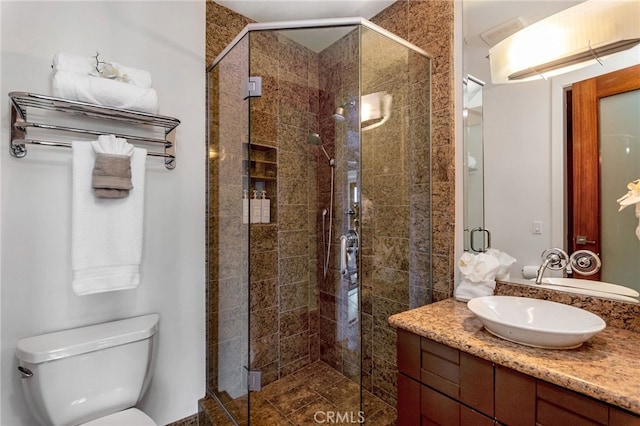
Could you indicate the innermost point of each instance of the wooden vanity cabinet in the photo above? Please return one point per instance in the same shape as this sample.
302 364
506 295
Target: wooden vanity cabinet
440 385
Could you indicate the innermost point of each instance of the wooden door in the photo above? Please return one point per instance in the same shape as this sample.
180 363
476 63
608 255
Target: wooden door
583 168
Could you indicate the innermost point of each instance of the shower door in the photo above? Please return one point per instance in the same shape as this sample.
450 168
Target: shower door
227 229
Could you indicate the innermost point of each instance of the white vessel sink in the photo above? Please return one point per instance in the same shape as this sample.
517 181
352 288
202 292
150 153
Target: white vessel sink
535 322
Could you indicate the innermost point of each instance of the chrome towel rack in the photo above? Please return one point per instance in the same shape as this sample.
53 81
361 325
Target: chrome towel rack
20 101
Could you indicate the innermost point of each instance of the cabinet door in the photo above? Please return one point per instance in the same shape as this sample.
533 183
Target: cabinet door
618 417
408 401
515 397
477 383
559 406
408 350
469 417
440 368
438 409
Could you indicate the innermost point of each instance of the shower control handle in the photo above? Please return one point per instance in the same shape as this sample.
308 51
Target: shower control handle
348 243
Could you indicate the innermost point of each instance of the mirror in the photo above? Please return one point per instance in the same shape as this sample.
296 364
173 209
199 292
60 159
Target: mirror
524 154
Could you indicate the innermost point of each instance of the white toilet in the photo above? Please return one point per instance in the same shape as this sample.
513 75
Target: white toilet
91 375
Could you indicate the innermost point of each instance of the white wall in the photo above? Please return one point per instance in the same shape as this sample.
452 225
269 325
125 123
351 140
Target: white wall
166 38
517 163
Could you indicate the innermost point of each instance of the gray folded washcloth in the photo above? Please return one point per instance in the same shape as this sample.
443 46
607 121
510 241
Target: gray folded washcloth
111 177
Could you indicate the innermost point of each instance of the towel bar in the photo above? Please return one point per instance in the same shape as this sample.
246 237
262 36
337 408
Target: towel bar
20 101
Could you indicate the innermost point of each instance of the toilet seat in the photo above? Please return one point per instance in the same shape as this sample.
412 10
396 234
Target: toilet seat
129 417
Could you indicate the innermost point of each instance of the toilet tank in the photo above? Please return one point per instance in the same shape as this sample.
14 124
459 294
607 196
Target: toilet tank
74 376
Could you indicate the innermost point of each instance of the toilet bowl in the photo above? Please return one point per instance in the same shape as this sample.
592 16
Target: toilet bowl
92 375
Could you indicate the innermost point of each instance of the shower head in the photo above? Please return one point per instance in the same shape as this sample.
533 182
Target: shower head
340 114
314 139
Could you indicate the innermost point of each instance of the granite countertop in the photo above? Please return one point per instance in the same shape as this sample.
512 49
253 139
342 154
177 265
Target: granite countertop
606 367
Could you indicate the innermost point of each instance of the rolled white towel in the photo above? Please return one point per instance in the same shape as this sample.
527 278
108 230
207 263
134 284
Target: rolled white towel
84 65
140 78
102 91
69 62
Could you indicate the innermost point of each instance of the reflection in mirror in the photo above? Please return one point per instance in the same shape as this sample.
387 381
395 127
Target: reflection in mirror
524 146
474 235
619 164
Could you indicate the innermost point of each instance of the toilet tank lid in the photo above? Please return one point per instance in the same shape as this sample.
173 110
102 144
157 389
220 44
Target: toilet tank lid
61 344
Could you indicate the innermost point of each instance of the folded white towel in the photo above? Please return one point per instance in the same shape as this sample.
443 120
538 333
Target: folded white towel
466 290
504 272
102 91
84 65
109 144
106 234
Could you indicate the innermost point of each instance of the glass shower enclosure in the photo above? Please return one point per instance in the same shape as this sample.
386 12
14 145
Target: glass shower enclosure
319 223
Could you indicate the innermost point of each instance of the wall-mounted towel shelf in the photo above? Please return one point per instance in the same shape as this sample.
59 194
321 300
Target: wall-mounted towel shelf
20 101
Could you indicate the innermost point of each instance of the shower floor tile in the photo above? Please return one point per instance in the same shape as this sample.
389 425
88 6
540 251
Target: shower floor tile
315 394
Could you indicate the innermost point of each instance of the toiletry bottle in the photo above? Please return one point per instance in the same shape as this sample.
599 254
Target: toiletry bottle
256 208
266 208
245 206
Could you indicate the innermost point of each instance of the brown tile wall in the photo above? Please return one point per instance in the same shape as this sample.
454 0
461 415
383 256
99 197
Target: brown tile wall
338 82
395 194
429 25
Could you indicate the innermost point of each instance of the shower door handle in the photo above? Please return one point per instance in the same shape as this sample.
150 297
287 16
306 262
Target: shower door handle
348 244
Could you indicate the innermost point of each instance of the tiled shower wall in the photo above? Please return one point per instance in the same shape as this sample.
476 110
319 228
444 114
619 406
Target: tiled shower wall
396 204
429 25
339 81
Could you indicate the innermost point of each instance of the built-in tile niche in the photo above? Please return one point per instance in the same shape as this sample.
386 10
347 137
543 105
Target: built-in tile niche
260 172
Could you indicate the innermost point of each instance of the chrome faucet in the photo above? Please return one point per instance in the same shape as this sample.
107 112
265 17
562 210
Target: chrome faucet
555 259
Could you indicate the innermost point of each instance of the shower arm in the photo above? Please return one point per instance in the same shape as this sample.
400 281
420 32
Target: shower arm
332 162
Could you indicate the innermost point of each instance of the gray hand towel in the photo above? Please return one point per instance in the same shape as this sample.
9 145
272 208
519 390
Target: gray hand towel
111 176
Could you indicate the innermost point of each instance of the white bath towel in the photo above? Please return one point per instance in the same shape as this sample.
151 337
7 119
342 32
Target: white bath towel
109 144
466 290
85 65
106 234
102 91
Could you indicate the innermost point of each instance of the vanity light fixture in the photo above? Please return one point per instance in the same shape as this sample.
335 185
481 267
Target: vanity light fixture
571 39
